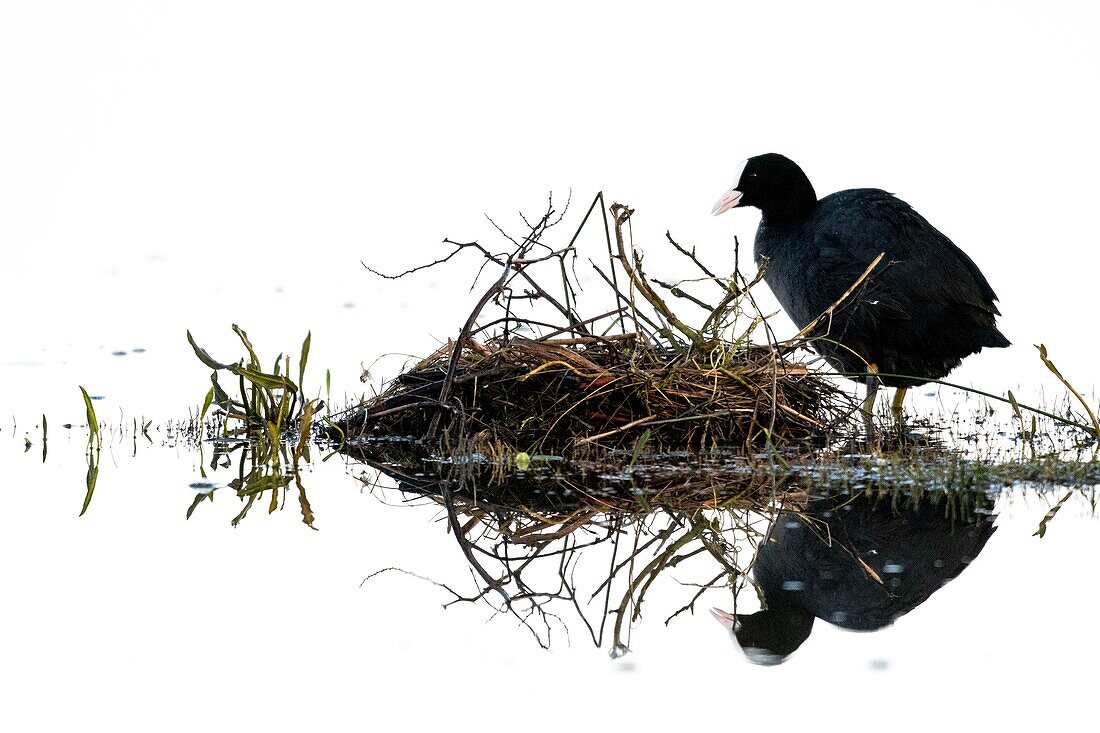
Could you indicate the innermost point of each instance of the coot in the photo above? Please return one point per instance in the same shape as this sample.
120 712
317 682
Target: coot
924 307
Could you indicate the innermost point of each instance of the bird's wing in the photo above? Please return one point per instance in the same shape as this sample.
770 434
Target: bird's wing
921 263
839 266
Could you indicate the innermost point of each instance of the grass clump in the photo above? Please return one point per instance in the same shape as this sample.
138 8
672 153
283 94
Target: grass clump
268 402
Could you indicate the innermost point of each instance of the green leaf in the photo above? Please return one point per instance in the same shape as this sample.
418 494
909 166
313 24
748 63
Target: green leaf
303 359
266 381
206 403
221 397
204 357
93 422
1050 365
248 345
1088 409
1015 407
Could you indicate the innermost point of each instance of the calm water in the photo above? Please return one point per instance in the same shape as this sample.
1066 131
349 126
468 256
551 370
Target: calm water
134 610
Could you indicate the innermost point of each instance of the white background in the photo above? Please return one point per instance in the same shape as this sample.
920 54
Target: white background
166 166
188 165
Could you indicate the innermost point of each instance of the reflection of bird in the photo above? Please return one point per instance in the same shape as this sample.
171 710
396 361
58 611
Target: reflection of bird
924 307
858 565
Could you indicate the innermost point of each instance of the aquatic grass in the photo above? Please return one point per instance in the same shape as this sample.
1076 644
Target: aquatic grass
268 402
93 422
1084 403
270 422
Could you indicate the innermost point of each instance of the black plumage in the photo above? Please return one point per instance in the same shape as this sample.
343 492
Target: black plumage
856 562
923 308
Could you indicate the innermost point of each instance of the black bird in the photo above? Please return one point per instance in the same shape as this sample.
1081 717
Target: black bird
923 307
857 562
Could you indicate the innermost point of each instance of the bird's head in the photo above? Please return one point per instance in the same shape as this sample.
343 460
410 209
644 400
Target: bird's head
767 637
772 183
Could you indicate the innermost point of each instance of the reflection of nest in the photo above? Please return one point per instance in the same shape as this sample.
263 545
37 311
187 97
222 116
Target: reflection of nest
523 533
523 537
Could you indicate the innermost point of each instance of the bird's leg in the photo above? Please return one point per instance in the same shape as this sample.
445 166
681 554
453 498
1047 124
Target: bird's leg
869 401
895 407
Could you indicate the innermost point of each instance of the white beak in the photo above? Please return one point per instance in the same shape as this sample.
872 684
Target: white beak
730 199
728 620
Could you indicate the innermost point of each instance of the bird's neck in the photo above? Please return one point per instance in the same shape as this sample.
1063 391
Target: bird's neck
797 200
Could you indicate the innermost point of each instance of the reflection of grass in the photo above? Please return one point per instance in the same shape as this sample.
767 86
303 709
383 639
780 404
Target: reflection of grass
264 474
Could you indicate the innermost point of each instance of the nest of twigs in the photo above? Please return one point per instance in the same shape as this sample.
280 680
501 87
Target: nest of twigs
636 377
552 395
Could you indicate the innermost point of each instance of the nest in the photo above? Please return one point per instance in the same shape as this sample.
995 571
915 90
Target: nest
638 377
551 396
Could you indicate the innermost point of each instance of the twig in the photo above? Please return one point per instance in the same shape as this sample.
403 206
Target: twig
622 215
828 313
616 431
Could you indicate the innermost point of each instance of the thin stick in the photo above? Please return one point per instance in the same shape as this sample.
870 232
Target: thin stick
851 288
616 431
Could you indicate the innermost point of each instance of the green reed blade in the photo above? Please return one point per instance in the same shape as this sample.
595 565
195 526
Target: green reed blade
266 381
206 403
204 357
1050 365
93 423
303 359
248 345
